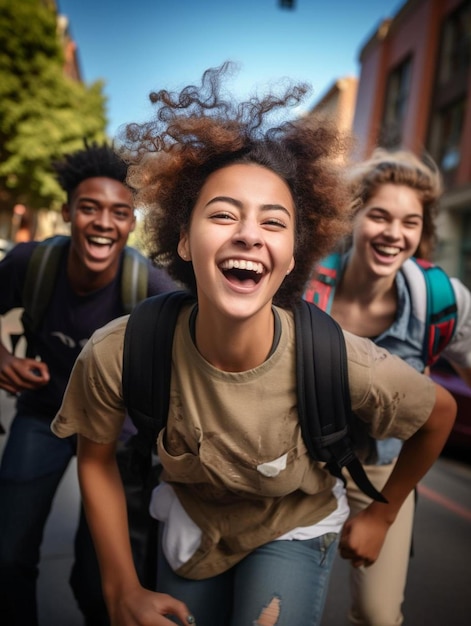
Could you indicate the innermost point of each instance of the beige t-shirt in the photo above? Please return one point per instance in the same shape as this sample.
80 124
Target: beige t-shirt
233 449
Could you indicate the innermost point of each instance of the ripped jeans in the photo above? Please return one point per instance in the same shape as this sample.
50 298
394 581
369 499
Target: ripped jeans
283 583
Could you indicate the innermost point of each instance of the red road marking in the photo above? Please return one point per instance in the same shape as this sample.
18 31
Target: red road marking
445 502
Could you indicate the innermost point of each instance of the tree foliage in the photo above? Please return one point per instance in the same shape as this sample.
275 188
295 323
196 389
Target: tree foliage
43 113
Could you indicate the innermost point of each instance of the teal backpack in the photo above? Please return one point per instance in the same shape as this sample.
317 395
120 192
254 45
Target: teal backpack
433 298
42 271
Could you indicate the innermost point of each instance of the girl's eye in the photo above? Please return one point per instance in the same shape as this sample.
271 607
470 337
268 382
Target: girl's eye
377 218
222 216
275 223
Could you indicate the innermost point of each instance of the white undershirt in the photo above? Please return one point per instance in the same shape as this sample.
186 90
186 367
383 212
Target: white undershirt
181 537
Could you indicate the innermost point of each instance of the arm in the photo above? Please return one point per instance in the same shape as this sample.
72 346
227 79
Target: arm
463 372
128 603
363 535
18 374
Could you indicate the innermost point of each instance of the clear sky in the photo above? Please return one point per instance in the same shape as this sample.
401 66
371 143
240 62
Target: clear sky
137 46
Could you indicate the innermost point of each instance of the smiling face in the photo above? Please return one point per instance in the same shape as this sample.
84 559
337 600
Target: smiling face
240 239
101 216
387 230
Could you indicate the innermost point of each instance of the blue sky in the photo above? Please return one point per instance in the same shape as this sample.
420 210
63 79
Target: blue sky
136 46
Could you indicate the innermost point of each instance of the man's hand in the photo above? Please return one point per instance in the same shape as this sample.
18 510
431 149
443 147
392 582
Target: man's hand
17 374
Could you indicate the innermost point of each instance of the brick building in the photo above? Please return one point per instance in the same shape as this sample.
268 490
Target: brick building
414 91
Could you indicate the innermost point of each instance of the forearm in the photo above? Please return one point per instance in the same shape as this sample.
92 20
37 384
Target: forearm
105 507
417 456
463 372
363 535
128 603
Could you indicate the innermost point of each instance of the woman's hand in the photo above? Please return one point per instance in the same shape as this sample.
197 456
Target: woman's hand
141 607
128 603
362 538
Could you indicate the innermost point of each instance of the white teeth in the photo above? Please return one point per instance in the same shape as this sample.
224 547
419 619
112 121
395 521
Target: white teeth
101 240
388 249
241 264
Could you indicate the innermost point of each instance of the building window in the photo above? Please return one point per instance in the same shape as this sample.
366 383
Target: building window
397 94
445 137
455 55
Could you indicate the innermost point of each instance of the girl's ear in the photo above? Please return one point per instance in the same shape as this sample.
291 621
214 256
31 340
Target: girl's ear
291 266
183 247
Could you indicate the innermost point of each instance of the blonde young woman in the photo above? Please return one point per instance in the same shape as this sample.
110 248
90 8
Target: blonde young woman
250 523
395 195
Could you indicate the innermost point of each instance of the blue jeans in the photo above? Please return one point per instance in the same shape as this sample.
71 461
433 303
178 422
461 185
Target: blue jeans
33 463
287 578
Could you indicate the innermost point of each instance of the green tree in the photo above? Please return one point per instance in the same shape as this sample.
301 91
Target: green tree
43 113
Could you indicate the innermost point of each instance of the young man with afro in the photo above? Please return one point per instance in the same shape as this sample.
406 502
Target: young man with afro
86 294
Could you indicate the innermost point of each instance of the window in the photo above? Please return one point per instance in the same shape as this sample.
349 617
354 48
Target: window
397 93
445 137
455 55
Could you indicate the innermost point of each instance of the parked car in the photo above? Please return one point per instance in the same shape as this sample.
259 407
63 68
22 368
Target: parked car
460 436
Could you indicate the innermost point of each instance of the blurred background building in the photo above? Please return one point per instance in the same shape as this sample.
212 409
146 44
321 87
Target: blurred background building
414 92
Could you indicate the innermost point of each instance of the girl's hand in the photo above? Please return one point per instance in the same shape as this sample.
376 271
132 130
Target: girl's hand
362 538
141 607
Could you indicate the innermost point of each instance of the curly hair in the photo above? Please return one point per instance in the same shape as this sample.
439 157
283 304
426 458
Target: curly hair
401 167
198 131
93 161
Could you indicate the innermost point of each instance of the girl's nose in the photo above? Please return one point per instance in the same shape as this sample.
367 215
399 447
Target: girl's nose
249 233
393 229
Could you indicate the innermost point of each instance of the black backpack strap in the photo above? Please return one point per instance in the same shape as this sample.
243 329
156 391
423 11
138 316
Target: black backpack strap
40 280
146 372
324 404
134 278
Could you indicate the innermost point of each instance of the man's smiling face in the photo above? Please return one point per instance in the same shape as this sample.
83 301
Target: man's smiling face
101 215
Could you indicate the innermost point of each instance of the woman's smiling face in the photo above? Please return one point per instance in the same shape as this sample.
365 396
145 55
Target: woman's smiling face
387 230
240 239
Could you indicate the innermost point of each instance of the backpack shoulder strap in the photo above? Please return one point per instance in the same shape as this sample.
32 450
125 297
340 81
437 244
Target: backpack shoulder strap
147 355
324 404
321 287
40 279
134 280
433 302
